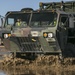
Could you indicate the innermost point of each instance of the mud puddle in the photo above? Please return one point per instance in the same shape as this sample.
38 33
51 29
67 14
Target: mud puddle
44 65
2 73
26 71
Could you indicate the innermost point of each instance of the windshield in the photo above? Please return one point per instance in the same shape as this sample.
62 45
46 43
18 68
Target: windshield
43 19
17 20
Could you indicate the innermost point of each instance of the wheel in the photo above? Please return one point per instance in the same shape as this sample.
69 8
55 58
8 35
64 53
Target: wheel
69 50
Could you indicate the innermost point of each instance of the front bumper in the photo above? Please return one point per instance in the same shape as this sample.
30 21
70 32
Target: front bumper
32 45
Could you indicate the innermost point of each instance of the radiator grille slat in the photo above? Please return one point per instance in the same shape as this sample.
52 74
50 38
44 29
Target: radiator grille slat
27 44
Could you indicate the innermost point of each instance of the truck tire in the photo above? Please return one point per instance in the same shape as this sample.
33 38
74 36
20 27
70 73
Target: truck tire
69 50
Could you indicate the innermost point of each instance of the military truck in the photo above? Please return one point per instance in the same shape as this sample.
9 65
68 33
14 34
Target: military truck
48 30
9 28
65 25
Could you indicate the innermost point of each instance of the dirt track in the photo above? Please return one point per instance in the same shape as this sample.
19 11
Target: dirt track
43 62
46 65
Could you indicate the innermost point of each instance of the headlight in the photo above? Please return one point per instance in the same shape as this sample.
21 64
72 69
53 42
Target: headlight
50 35
34 33
6 36
45 34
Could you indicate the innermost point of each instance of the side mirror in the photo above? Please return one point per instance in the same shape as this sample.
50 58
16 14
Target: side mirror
1 21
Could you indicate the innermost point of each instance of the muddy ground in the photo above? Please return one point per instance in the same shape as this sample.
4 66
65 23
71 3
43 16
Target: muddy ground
42 64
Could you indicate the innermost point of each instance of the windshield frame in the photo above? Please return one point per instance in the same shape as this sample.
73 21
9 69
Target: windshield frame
45 12
15 16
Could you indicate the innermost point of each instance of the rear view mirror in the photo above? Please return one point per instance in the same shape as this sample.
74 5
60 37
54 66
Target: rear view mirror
1 21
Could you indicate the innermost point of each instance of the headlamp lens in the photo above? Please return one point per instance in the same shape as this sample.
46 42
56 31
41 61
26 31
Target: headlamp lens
5 35
50 35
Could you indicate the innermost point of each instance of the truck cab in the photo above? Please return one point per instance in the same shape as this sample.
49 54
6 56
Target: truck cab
45 31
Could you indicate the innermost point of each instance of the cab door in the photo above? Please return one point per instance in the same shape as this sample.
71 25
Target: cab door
62 31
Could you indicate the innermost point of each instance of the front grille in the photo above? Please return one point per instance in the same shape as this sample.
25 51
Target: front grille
34 45
29 44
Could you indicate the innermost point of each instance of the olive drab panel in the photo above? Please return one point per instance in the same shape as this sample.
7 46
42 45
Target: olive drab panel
64 6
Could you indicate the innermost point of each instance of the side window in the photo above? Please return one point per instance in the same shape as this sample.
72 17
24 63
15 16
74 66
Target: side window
64 21
1 21
72 22
10 21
